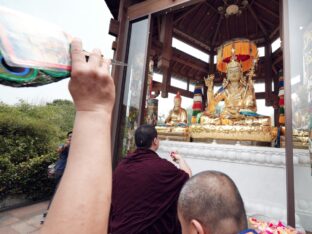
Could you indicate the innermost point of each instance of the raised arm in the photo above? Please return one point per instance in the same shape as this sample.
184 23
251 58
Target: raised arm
213 99
177 158
82 202
209 84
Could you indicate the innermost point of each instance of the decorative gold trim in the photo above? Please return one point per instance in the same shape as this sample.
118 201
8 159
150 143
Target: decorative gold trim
239 133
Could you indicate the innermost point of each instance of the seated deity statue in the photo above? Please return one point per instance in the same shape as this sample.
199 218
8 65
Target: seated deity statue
178 115
239 99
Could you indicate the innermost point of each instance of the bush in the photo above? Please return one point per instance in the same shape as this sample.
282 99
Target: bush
23 138
29 136
7 172
28 178
33 181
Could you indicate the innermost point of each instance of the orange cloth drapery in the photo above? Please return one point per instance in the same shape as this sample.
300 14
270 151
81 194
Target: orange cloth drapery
244 50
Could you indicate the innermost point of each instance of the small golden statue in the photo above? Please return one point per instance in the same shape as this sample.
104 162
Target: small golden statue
177 115
175 127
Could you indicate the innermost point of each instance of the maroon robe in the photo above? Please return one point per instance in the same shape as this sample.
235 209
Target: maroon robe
145 193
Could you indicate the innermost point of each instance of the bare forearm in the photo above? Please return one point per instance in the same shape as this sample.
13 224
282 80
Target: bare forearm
90 156
210 94
184 166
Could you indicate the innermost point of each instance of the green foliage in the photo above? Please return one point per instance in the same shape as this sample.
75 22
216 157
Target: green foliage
24 138
66 114
7 174
28 178
34 182
29 135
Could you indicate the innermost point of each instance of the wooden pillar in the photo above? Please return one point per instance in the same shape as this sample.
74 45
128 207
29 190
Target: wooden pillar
164 62
204 95
276 99
150 7
268 74
188 84
211 63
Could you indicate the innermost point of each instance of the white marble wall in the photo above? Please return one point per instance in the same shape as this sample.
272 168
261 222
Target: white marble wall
259 173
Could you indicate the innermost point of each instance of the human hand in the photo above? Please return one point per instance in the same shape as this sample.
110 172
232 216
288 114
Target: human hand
175 156
62 147
91 85
211 77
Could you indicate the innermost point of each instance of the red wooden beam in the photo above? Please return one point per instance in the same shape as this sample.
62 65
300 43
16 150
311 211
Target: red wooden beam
156 86
164 62
275 32
212 7
187 38
254 15
217 31
186 13
191 65
266 9
113 27
153 6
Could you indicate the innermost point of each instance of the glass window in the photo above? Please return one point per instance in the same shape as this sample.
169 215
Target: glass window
135 76
300 75
190 50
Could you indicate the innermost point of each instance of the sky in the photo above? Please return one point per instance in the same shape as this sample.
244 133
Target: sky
88 20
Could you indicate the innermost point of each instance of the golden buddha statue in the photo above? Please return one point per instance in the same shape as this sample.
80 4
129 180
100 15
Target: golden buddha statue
238 120
237 93
177 115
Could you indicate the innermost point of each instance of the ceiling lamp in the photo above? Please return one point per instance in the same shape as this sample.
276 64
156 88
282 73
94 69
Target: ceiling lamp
232 7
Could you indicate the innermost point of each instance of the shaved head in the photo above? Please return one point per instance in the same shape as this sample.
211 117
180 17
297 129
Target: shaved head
213 200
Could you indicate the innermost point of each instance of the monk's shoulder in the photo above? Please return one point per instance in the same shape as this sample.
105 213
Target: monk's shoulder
164 163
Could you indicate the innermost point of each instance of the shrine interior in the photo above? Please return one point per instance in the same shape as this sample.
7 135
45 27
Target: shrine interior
207 25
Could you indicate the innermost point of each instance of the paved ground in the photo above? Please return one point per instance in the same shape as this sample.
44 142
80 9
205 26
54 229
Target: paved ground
25 220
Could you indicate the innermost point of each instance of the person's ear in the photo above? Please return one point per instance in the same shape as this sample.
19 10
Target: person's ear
197 227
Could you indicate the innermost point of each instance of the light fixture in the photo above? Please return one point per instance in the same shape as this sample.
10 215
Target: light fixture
232 7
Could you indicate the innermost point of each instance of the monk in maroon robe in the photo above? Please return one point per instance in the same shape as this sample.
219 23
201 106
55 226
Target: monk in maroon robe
146 189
